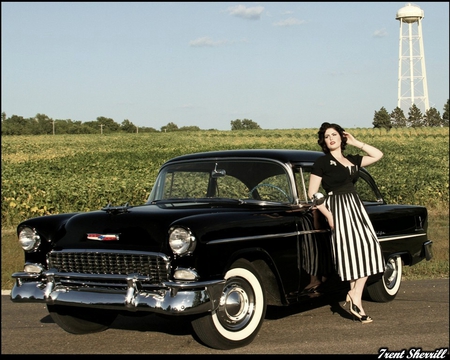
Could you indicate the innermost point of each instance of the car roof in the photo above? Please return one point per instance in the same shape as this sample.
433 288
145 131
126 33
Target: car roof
283 155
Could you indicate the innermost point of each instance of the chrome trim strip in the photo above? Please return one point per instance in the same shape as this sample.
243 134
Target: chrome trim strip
254 237
265 237
397 237
297 233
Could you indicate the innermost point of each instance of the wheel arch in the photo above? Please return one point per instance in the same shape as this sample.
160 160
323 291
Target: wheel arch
404 255
263 263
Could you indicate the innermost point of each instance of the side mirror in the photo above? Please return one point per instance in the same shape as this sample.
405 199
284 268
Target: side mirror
318 199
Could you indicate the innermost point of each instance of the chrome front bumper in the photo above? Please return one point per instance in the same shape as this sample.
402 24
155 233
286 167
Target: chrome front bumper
169 298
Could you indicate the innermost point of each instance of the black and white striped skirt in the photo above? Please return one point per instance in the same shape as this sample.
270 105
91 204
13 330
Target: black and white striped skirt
355 246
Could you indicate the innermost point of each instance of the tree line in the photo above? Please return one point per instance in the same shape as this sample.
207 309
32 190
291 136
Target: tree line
397 118
41 124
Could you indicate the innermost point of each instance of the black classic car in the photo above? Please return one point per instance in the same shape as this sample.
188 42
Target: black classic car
223 235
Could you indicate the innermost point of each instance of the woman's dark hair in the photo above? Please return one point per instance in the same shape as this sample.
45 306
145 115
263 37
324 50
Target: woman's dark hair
324 127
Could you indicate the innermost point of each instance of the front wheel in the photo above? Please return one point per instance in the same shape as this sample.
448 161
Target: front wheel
386 289
241 310
81 320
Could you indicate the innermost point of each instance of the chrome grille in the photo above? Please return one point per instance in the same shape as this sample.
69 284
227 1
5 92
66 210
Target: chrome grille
153 265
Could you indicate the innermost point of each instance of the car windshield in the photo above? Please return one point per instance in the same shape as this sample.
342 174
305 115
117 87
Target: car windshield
228 179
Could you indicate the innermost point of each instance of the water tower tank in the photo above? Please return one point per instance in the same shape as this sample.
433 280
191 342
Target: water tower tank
409 14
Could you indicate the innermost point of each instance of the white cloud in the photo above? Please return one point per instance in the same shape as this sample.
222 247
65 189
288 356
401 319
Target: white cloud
207 41
336 73
289 22
380 33
242 11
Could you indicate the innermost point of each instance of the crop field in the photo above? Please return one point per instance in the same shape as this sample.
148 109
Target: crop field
53 174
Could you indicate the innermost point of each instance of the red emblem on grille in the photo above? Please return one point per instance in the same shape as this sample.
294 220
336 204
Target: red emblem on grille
103 237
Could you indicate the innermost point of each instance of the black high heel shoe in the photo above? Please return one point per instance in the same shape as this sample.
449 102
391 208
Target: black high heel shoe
356 312
311 290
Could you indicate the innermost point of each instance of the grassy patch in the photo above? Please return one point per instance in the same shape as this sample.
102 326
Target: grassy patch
12 258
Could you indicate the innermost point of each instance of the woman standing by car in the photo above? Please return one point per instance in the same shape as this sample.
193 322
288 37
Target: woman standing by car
356 250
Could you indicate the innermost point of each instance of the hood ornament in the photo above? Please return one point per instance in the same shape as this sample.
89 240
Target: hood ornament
114 210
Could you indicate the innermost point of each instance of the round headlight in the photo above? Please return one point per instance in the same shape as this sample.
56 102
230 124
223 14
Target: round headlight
181 240
29 239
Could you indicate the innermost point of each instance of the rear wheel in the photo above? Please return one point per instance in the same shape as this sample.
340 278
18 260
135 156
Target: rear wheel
386 289
81 320
241 310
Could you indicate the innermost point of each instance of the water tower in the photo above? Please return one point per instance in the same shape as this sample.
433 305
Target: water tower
412 77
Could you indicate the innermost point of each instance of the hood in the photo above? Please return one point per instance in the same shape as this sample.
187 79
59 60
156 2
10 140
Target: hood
143 227
127 228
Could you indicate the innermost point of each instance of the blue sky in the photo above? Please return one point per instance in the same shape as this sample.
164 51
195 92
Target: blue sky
283 65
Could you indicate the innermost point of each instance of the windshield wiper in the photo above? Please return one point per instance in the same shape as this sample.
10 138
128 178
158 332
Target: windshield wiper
197 200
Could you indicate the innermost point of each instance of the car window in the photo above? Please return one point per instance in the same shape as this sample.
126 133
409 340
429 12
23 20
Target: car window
231 187
231 179
274 188
185 184
365 191
302 175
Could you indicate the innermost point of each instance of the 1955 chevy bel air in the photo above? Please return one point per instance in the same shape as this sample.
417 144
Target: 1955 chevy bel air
222 235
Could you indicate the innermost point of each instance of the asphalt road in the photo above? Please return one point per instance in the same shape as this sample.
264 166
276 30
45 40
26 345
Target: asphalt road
417 321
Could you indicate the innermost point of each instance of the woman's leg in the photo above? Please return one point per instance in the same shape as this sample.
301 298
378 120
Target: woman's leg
356 292
315 281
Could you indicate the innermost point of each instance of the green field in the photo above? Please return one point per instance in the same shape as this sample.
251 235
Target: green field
54 174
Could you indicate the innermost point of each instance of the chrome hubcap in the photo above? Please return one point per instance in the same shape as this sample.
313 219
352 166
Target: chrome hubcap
391 273
236 306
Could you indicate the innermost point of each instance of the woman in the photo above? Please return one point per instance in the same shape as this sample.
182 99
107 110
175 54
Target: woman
356 250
